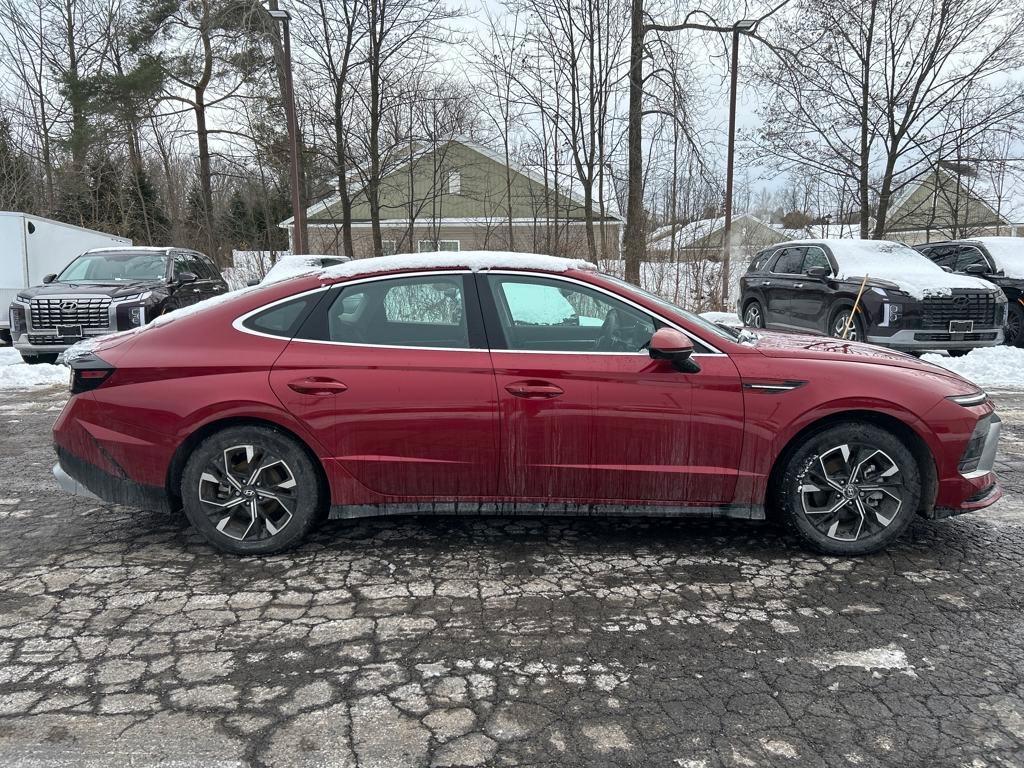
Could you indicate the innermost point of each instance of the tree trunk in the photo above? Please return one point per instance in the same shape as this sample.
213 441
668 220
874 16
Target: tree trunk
633 239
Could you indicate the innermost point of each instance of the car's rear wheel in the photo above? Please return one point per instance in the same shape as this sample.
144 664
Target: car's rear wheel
957 352
850 489
753 315
251 490
841 323
1015 325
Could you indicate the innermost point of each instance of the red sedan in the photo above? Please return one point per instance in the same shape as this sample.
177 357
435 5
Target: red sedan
504 383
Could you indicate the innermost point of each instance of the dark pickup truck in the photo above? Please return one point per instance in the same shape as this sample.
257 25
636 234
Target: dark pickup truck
908 302
107 290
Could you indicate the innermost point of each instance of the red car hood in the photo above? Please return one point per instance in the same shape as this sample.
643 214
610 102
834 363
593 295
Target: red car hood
806 347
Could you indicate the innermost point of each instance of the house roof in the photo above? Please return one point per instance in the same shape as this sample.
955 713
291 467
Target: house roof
568 187
686 235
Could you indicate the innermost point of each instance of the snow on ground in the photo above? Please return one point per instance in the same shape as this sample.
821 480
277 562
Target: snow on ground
14 374
989 367
723 318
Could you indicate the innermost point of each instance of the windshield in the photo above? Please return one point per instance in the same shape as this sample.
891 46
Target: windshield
115 267
700 322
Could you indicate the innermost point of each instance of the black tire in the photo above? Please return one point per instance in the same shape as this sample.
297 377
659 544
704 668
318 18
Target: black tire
753 315
265 477
957 352
1015 325
38 359
838 321
811 490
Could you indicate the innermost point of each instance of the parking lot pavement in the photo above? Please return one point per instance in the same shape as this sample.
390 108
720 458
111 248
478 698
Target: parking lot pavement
125 641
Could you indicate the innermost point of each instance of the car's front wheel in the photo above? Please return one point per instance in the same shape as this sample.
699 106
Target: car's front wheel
47 359
842 327
753 315
1015 325
850 489
251 490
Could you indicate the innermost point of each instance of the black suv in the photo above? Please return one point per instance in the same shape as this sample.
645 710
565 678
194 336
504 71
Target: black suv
908 302
107 290
1000 260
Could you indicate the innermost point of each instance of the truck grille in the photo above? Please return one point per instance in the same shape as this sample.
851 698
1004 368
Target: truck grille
89 313
936 312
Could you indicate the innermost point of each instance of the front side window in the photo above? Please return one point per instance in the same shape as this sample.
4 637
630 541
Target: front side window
943 255
968 256
816 258
789 262
543 315
404 312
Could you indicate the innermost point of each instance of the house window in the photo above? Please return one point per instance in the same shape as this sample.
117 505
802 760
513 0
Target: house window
388 247
425 246
454 183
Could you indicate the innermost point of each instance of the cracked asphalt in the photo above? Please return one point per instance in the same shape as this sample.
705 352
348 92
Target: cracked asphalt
126 641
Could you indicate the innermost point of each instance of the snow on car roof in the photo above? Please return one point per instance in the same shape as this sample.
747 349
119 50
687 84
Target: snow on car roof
475 261
294 265
895 262
1007 252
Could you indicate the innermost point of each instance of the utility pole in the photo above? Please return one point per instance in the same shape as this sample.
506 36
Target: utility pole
294 140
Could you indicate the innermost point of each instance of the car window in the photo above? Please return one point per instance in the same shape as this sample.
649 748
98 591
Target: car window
196 265
181 264
543 315
943 255
210 270
758 262
816 257
282 320
968 255
406 312
789 262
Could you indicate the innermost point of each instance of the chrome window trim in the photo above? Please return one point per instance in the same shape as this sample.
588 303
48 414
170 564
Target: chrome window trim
237 324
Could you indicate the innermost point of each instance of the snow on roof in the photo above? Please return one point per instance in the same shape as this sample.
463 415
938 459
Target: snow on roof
476 261
661 238
294 265
1007 252
895 262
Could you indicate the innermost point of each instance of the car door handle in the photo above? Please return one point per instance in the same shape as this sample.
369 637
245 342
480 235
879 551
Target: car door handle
798 285
534 389
317 385
766 282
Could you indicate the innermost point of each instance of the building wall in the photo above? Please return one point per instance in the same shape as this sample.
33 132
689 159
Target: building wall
527 238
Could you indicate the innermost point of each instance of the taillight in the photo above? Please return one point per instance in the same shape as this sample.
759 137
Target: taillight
89 372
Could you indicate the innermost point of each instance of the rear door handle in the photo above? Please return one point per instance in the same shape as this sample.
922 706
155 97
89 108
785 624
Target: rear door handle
798 285
536 390
317 385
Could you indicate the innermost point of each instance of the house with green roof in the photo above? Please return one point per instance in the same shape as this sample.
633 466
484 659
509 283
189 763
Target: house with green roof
459 196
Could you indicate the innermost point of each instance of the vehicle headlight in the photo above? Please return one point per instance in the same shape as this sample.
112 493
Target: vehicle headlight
975 398
893 313
136 316
18 324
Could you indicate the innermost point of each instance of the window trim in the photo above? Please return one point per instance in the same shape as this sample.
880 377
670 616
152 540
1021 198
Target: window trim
237 323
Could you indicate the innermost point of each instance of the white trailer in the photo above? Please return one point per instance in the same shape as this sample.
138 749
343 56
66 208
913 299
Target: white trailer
32 247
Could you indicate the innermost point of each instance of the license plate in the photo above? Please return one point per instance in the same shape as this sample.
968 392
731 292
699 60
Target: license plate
69 330
961 326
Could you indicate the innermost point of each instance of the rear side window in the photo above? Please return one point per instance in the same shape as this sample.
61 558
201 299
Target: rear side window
282 320
759 261
816 258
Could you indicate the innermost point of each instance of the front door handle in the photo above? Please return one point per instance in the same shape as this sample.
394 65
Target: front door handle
317 385
798 285
766 282
534 390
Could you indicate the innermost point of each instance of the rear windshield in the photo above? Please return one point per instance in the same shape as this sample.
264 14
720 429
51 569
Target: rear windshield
112 266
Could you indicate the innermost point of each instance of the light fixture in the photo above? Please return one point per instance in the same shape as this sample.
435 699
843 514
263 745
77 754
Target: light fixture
747 26
281 15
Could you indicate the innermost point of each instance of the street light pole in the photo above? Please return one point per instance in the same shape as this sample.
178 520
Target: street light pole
298 207
744 27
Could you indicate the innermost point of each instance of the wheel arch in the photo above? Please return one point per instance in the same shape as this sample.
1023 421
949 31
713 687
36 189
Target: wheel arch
914 442
176 467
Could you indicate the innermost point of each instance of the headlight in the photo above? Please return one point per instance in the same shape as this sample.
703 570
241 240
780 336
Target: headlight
893 313
975 398
18 325
137 316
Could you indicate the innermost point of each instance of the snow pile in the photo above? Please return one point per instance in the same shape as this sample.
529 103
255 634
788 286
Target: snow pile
723 318
913 272
476 261
14 374
988 367
1007 252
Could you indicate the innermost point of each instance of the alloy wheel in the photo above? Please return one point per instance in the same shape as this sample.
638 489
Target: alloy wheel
248 493
752 318
839 325
851 491
1014 328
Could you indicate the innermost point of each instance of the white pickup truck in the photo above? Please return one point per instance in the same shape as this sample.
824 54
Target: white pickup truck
32 247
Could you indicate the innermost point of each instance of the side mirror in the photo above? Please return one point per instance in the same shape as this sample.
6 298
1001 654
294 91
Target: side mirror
947 269
251 282
674 346
975 269
186 277
819 273
47 279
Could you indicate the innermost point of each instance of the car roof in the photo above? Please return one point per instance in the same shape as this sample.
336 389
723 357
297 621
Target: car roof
475 261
